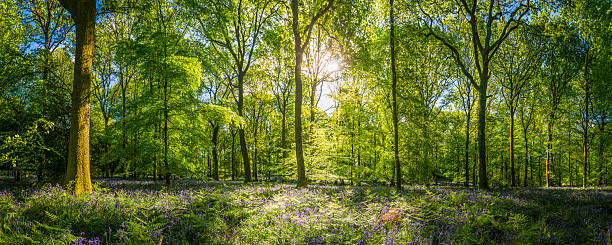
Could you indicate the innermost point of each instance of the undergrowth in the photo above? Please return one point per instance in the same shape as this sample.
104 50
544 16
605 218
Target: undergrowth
191 212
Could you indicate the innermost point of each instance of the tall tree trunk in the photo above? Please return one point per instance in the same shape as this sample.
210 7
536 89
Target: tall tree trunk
243 147
123 122
467 148
512 179
474 180
602 127
166 164
297 72
78 172
398 170
233 153
255 146
299 48
284 135
548 151
483 182
215 154
587 95
526 156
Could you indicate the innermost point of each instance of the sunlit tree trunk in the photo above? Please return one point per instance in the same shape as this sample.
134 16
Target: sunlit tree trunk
215 154
398 170
83 13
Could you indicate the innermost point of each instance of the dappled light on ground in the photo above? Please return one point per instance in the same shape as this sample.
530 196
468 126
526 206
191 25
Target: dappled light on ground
122 211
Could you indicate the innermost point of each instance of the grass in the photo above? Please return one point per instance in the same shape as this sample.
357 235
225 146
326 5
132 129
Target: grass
197 212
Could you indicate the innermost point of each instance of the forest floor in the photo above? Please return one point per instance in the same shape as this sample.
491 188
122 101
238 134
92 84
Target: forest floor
197 212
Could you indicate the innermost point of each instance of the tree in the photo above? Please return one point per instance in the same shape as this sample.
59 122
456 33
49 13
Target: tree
526 114
237 27
83 12
467 99
301 39
559 70
398 169
518 66
490 24
592 22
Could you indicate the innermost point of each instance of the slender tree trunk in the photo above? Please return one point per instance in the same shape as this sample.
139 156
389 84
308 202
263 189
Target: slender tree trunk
483 182
467 148
165 132
284 135
297 72
512 179
233 153
526 156
123 122
398 170
243 147
548 151
78 172
255 152
585 149
215 154
352 147
474 180
602 126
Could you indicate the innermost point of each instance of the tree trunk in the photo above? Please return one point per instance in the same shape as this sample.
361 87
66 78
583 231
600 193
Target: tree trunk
215 154
467 148
548 151
297 72
526 156
255 152
123 114
512 179
78 172
602 126
585 149
243 147
284 135
398 170
233 153
483 182
166 164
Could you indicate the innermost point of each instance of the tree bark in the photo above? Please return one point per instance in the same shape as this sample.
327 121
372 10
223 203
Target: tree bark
78 171
284 135
548 151
215 154
512 179
398 170
233 153
526 156
243 147
255 126
297 72
467 148
483 182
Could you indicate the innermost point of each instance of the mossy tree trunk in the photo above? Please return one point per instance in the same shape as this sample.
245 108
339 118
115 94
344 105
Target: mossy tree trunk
83 13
